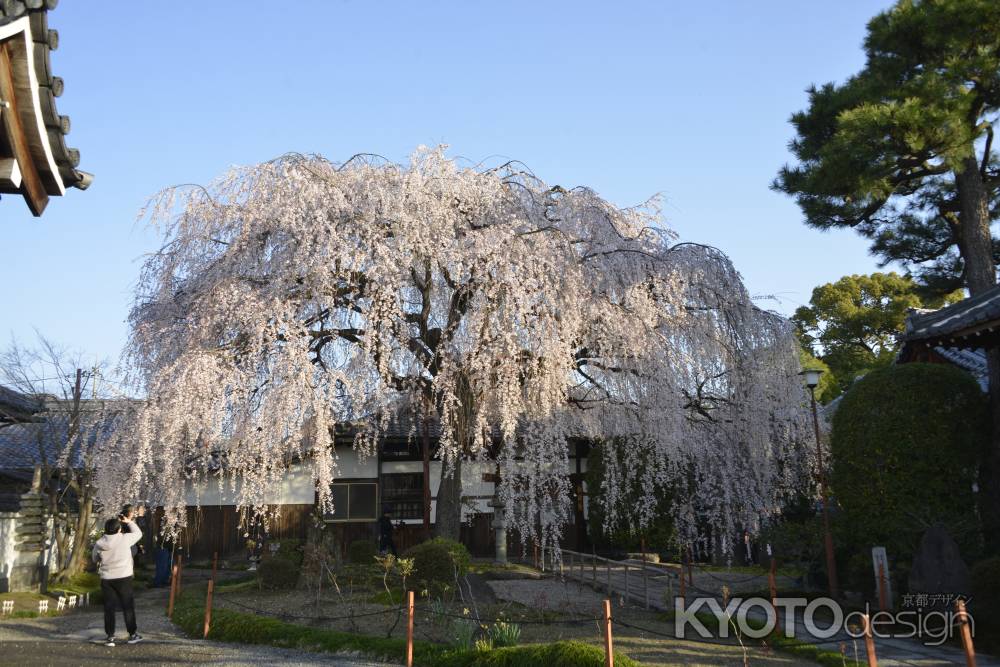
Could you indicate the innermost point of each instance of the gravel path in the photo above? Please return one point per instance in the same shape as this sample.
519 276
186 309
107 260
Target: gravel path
70 640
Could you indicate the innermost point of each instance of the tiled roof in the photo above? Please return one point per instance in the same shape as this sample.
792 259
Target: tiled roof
972 361
50 87
958 318
23 446
15 406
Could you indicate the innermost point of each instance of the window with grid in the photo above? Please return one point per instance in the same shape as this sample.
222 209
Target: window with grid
353 501
403 495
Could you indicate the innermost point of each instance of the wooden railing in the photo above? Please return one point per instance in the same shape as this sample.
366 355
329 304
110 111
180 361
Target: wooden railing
628 579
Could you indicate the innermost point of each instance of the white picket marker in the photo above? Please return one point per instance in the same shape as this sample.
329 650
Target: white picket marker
8 606
43 606
61 604
72 601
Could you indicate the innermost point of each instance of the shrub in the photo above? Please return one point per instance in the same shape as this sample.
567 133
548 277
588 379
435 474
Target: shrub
291 550
906 443
435 561
277 573
985 603
362 552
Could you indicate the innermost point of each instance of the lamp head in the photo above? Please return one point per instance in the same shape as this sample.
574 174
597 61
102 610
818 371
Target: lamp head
811 376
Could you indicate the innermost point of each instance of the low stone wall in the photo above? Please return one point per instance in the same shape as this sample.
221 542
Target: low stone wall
23 543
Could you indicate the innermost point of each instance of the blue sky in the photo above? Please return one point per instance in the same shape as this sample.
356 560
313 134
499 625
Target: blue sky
690 100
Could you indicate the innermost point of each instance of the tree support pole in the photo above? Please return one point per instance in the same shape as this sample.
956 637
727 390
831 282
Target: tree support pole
869 641
609 655
409 628
208 607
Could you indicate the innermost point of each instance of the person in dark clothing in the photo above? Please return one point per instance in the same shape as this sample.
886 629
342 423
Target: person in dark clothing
163 561
385 534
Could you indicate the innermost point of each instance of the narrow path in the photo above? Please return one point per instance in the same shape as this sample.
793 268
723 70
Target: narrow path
71 640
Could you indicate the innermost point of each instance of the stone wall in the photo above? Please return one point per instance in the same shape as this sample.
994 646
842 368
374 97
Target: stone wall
23 544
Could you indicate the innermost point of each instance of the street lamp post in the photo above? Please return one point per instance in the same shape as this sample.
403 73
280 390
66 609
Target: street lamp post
812 380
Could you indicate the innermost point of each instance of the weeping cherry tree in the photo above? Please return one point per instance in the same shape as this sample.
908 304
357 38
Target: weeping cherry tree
298 295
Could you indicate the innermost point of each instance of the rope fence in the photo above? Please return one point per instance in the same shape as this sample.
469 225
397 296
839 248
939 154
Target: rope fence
606 621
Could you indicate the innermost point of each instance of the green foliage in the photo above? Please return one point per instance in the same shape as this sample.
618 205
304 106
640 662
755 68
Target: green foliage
906 442
237 627
436 562
556 654
829 387
291 550
853 324
797 535
505 634
985 603
660 535
278 573
84 582
881 152
362 552
463 633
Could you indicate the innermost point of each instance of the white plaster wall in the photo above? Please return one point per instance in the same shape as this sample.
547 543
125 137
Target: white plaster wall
7 553
296 488
350 465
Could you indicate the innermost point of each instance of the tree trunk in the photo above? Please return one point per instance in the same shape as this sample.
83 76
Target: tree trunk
448 519
976 247
78 556
975 241
427 473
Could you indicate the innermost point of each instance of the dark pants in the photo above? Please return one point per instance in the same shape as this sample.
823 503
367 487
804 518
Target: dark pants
162 576
118 592
388 545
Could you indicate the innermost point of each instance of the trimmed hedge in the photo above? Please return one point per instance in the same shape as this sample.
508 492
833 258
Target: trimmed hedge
906 444
985 603
436 560
237 627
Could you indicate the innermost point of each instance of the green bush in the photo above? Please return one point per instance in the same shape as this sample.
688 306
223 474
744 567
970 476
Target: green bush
278 573
291 550
362 552
906 444
985 603
435 561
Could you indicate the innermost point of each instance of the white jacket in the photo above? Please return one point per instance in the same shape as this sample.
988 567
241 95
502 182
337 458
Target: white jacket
114 552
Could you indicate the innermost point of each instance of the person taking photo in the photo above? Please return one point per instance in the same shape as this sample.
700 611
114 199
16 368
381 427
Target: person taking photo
113 553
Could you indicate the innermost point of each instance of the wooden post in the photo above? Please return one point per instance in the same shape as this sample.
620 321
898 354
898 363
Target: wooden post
409 628
609 659
173 592
208 607
883 598
215 562
869 641
774 594
963 623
